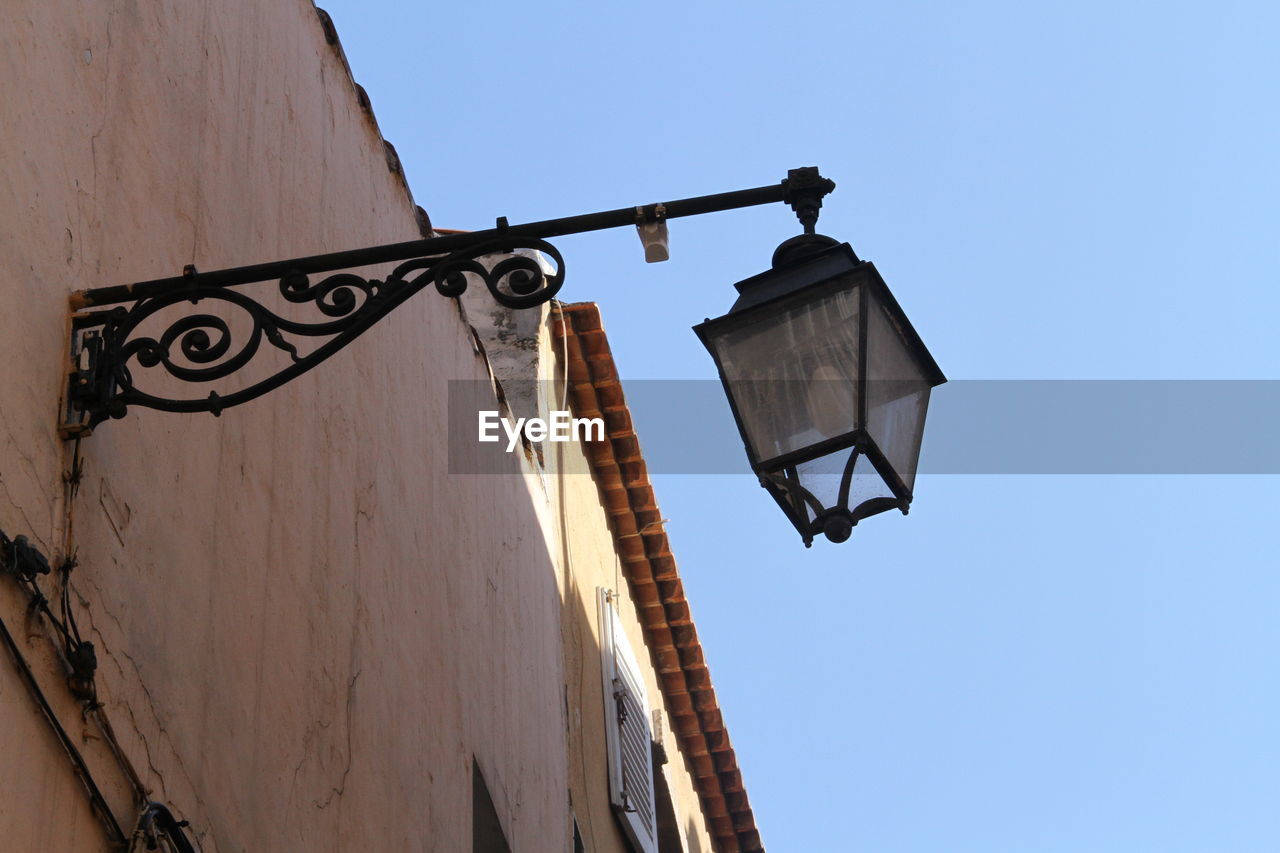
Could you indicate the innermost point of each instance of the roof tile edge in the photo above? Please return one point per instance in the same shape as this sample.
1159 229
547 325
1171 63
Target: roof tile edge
655 584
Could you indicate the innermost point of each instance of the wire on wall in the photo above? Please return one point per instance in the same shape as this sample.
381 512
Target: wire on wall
25 561
155 822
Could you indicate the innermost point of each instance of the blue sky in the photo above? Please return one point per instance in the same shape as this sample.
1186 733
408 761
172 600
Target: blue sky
1025 663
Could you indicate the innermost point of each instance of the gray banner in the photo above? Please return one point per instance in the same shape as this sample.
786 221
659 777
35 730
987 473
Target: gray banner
973 426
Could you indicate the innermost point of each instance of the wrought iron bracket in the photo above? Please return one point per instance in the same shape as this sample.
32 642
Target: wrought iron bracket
124 335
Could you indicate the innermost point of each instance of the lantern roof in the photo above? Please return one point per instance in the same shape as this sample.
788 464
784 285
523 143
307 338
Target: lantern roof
805 267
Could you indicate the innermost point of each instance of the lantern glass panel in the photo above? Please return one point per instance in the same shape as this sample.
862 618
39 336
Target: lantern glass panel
822 478
793 372
897 393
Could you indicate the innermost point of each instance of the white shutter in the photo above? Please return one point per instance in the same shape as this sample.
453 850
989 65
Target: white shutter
626 709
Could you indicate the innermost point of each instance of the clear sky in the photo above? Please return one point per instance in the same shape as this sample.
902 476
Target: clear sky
1088 191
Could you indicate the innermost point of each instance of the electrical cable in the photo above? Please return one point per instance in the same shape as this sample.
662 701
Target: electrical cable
81 657
26 563
157 823
97 801
78 654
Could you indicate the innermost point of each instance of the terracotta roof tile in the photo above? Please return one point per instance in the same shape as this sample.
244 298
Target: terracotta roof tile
655 583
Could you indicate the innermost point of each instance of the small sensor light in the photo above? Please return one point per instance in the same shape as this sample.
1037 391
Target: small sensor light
654 237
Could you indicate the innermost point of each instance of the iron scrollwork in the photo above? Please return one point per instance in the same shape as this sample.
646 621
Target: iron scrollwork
110 344
206 347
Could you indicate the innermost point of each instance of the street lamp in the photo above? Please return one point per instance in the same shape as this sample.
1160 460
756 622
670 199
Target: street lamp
827 379
829 384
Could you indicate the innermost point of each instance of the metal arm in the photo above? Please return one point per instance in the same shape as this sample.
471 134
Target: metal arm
107 345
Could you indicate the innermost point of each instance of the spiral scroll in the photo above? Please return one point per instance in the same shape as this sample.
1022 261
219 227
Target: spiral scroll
516 282
203 348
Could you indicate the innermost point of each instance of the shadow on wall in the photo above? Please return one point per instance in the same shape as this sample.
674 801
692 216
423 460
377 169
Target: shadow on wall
486 829
691 833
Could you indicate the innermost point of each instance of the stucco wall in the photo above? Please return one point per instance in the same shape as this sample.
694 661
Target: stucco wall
306 627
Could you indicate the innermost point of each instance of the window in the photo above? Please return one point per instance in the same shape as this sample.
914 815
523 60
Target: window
627 729
670 836
486 829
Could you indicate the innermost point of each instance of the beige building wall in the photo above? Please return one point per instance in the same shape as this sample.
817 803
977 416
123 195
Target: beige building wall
584 545
305 627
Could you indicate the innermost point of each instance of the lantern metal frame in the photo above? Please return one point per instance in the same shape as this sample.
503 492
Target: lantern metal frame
830 267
